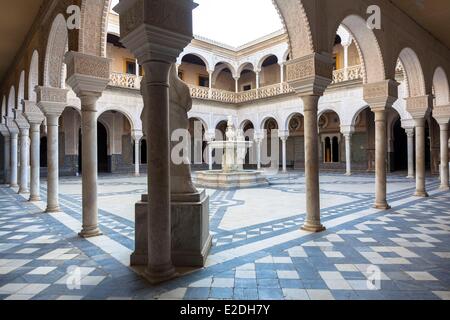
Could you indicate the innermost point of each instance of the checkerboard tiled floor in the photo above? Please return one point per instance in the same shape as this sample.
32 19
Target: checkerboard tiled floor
403 253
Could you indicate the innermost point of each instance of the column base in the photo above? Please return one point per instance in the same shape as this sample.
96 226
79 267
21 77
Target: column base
444 188
313 227
348 174
22 191
410 177
90 233
53 209
13 185
422 194
159 276
137 174
382 206
34 199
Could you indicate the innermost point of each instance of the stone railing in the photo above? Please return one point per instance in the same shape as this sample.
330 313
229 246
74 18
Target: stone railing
348 74
130 81
125 80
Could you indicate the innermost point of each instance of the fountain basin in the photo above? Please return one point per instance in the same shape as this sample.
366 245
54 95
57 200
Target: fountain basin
219 179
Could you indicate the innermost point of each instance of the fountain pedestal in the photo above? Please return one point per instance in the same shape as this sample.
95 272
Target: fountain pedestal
232 175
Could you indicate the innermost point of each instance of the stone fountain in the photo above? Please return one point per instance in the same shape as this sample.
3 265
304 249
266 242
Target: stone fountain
232 175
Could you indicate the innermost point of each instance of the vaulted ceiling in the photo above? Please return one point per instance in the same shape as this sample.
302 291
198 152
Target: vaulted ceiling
432 15
16 19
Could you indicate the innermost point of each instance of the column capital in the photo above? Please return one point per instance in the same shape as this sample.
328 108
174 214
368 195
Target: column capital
409 132
442 114
347 130
20 120
283 134
381 95
4 130
419 106
87 75
156 29
137 135
11 125
32 112
210 136
311 74
51 101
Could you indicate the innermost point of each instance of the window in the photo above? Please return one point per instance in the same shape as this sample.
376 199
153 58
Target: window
247 87
130 67
203 81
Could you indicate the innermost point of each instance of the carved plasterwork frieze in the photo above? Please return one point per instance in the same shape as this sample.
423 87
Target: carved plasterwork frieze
419 106
381 95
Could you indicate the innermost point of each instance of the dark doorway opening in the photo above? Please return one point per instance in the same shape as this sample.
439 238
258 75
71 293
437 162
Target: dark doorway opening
102 148
400 147
43 152
143 151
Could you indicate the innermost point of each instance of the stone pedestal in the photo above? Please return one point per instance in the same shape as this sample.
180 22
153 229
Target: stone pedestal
191 240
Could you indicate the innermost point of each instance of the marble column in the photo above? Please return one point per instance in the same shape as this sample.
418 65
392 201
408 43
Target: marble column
284 135
88 85
410 135
13 158
90 169
444 157
35 119
52 163
258 141
24 131
257 72
312 222
52 101
380 160
137 157
420 158
236 84
6 152
348 153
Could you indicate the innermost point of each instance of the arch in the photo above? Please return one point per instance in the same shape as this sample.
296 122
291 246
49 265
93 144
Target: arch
266 118
357 113
295 20
244 66
94 24
289 118
21 90
441 87
204 124
413 71
368 47
125 112
264 58
54 57
11 102
228 65
198 55
218 121
244 123
33 76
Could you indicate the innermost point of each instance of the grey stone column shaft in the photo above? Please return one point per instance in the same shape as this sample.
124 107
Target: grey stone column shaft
156 118
52 164
348 154
312 222
7 158
24 156
13 159
90 170
410 135
444 157
137 156
283 151
420 158
35 162
380 160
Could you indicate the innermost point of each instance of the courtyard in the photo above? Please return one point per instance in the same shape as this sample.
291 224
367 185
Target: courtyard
259 250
